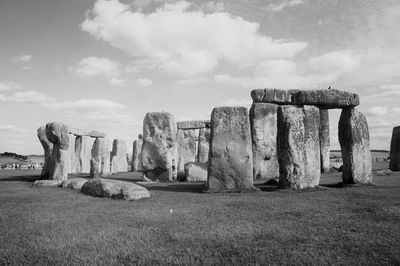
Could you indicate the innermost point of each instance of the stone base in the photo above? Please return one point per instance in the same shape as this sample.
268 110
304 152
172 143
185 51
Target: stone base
160 174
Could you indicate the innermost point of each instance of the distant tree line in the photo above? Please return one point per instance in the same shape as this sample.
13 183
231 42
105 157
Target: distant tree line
14 155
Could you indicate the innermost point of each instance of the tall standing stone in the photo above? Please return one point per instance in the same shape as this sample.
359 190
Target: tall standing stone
72 153
354 142
394 164
203 145
48 151
186 141
159 151
230 165
100 162
137 154
324 140
119 162
263 131
83 153
57 134
298 146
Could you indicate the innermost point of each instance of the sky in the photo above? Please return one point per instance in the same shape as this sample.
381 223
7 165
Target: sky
102 65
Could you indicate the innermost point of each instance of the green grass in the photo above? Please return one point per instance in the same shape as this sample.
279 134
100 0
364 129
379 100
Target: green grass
178 225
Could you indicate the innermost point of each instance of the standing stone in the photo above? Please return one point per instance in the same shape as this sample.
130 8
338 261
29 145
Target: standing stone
83 153
230 165
186 141
263 131
72 153
119 162
203 145
57 134
324 140
298 146
354 142
394 164
159 151
137 155
48 151
100 162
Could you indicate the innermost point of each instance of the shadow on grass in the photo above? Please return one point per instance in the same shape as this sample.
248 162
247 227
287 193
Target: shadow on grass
177 187
343 185
21 178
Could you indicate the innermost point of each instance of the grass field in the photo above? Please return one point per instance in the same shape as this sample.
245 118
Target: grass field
178 225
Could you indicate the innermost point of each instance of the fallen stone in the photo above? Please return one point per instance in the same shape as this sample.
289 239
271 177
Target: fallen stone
263 130
114 189
394 154
231 159
47 183
298 147
324 140
196 172
354 142
137 155
203 145
383 172
100 162
193 124
186 142
48 151
74 183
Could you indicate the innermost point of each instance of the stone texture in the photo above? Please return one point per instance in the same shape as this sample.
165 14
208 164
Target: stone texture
298 147
72 153
74 183
159 151
196 172
203 145
48 151
57 134
106 188
327 99
394 163
230 166
83 132
83 153
354 142
119 162
324 140
137 155
193 124
263 130
47 183
186 141
383 172
100 162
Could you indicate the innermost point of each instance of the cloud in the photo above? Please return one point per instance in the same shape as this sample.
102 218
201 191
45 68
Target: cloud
118 82
284 4
24 58
84 105
30 97
377 111
386 92
184 42
144 82
7 85
237 102
190 82
95 66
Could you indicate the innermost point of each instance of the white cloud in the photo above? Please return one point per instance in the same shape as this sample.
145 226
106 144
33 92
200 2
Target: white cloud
386 92
396 110
283 4
30 97
24 58
96 66
84 105
3 98
144 82
237 102
377 111
118 82
7 85
182 41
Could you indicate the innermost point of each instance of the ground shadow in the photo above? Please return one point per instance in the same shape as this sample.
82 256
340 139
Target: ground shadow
176 187
20 178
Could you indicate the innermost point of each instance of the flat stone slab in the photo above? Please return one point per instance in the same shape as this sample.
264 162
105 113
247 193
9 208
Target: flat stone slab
83 132
327 99
47 183
193 124
106 188
74 183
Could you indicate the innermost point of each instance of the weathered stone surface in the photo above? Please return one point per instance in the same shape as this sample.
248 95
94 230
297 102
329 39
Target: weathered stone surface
193 124
203 145
230 166
47 183
326 99
196 172
159 149
48 151
74 183
114 189
72 153
119 161
83 132
83 153
100 162
186 141
354 142
394 163
137 155
324 140
298 146
383 172
263 129
57 134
